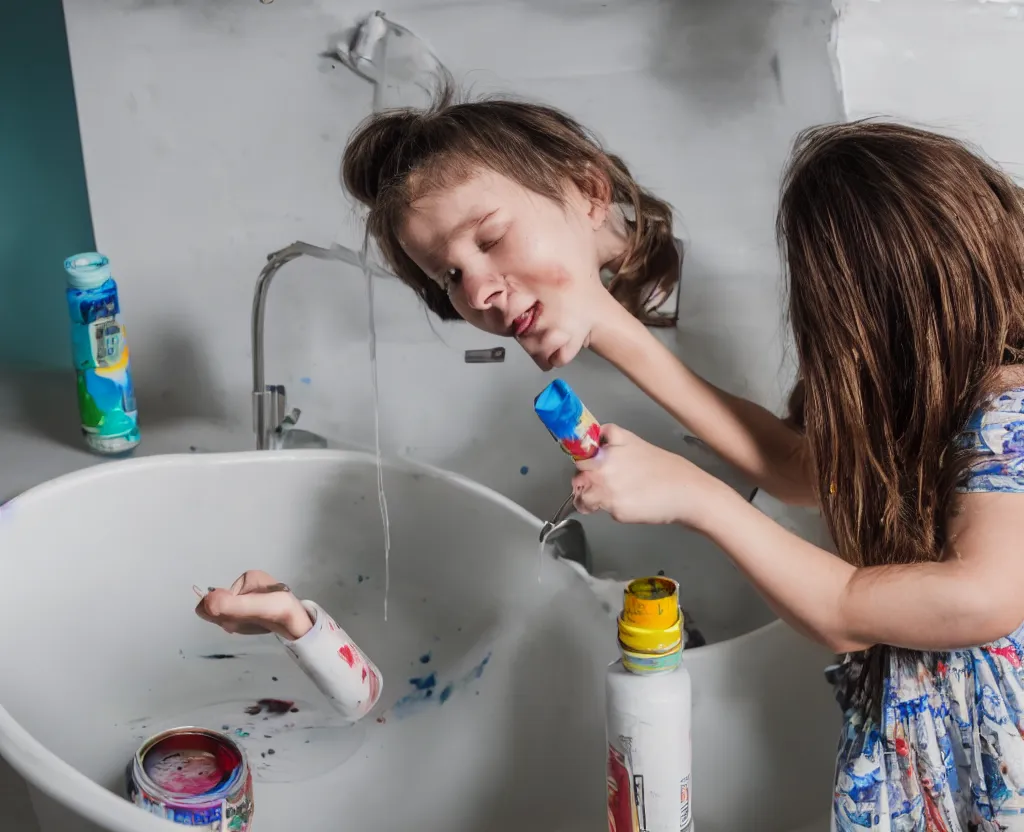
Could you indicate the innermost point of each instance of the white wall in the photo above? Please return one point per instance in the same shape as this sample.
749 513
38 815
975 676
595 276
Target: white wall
213 134
949 65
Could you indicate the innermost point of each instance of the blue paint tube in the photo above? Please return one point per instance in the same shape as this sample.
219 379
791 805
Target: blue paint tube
568 421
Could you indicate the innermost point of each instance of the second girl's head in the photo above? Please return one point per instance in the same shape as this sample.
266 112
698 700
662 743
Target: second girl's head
503 213
905 252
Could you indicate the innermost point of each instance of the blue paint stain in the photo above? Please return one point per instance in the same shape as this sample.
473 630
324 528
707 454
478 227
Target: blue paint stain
424 683
306 380
478 671
425 658
424 687
524 470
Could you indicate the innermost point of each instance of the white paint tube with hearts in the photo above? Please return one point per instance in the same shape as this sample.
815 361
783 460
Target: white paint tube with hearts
343 673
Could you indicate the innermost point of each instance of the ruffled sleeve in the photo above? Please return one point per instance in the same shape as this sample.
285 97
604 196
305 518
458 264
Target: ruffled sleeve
996 437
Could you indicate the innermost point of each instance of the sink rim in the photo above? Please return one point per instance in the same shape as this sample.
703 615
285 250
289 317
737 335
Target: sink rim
51 775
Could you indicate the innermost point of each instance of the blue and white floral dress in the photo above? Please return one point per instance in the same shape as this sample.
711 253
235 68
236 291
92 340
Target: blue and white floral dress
947 754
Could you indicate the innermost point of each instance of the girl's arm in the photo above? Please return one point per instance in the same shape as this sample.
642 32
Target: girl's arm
752 439
974 596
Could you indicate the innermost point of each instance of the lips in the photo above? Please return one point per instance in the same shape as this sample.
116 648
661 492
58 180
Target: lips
525 323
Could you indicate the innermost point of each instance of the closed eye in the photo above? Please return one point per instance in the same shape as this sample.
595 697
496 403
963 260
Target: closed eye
489 244
452 277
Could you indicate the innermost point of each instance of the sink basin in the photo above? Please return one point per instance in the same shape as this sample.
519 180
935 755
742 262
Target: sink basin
493 657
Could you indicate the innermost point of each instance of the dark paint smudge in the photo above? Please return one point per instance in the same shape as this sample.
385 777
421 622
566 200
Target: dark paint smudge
425 658
221 656
446 693
271 706
524 470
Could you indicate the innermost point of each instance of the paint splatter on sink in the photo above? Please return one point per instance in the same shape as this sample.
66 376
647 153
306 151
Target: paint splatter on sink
426 690
286 740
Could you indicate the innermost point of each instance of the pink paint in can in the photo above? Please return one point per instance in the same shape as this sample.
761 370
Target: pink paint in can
194 777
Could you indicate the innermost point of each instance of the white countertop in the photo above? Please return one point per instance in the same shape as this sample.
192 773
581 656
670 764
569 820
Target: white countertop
40 436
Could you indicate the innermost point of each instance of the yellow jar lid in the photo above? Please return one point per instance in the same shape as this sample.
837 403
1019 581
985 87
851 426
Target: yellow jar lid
651 621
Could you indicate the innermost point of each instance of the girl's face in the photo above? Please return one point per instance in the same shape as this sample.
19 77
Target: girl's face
513 262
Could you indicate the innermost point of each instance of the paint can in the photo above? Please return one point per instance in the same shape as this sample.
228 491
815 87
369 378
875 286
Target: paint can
195 777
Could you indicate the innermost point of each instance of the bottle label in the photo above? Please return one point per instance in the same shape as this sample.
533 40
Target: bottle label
627 798
623 814
684 804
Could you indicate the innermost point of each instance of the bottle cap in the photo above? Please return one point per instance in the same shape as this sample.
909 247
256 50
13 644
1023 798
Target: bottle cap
651 625
88 270
559 408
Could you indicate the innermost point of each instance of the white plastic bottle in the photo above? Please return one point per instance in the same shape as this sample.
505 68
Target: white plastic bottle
649 708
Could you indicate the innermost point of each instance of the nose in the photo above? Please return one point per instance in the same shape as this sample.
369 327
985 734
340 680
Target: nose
483 288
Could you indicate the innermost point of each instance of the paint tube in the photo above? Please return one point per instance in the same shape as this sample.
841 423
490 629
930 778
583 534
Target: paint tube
568 421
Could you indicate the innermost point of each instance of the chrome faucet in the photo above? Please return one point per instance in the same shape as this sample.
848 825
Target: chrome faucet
272 422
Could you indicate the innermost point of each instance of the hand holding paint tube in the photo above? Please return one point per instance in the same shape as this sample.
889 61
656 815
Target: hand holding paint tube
632 480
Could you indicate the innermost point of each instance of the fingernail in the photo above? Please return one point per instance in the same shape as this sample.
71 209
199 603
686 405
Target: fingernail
198 591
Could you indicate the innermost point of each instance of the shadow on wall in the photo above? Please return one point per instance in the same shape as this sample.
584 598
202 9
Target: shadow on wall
723 42
44 206
173 381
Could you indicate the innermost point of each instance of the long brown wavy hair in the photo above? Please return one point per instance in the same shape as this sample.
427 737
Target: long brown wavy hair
396 156
905 252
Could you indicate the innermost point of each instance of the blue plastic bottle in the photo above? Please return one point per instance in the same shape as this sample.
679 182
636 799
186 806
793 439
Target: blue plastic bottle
106 396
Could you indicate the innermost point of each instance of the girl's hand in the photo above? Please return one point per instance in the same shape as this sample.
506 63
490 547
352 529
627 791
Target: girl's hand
256 604
636 482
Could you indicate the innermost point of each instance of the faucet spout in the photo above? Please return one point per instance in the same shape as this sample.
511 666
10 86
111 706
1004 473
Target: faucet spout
270 401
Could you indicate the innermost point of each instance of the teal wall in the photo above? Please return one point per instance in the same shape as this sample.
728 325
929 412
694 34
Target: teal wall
44 206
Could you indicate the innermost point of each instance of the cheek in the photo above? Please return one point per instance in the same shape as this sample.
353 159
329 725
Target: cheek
546 281
548 258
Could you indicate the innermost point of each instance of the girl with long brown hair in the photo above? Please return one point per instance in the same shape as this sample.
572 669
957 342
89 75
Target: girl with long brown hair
906 270
905 254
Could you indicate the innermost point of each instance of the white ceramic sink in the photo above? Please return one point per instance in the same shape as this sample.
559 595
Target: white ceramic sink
100 648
